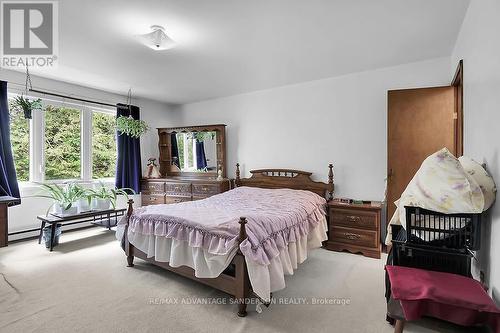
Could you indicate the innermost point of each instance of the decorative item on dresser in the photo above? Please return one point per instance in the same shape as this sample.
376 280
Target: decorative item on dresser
192 165
355 228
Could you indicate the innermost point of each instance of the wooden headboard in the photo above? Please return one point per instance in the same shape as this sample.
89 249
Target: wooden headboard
287 178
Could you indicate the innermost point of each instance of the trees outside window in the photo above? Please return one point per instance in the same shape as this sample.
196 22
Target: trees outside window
63 142
20 141
103 145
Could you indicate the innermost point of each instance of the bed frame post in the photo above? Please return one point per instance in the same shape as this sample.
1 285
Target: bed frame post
237 180
242 280
330 180
129 248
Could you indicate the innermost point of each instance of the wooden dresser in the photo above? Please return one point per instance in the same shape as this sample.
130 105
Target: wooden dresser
178 189
354 228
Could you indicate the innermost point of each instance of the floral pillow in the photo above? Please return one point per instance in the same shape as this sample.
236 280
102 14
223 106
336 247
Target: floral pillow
442 185
481 176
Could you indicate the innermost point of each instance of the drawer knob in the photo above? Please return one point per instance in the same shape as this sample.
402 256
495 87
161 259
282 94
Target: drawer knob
353 218
351 236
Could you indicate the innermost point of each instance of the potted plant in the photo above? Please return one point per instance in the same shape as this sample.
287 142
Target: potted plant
84 199
64 197
103 197
27 106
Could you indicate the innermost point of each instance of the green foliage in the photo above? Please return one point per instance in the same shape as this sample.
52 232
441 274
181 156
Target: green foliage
26 105
69 194
65 196
20 140
62 143
131 127
109 193
190 137
103 145
201 136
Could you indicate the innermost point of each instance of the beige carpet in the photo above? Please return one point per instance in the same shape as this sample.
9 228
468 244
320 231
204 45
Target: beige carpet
85 286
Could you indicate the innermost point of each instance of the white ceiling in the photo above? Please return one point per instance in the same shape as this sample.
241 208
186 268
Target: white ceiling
226 47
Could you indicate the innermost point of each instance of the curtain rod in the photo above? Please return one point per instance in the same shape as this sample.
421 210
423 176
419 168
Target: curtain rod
76 98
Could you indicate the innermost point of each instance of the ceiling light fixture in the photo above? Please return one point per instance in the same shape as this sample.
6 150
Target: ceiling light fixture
157 39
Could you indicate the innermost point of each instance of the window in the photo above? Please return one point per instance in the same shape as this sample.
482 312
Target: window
103 145
63 142
185 144
20 140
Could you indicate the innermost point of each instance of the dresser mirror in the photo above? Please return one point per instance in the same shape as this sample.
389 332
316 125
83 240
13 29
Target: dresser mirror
192 151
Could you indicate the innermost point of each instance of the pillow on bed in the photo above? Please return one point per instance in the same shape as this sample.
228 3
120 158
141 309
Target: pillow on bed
442 185
481 176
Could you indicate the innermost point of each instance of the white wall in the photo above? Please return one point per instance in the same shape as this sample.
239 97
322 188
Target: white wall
156 114
478 45
341 120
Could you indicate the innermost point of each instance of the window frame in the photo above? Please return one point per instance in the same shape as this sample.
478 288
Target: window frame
37 141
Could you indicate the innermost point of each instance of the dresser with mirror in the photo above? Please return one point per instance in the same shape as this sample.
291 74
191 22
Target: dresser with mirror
192 164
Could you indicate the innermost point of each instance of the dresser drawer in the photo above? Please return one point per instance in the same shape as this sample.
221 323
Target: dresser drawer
354 218
203 190
178 189
358 237
174 199
153 199
152 187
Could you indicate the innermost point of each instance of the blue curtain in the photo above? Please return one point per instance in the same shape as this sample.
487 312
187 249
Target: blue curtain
201 159
175 150
8 178
128 164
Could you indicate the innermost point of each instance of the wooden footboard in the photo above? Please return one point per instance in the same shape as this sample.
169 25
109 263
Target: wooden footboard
237 285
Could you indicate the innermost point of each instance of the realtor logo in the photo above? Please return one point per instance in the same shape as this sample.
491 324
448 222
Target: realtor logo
29 33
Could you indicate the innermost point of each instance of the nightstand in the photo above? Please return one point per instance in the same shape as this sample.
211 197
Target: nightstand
354 228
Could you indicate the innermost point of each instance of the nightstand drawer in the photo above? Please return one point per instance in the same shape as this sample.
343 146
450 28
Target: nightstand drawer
174 200
178 189
152 199
152 187
353 218
358 237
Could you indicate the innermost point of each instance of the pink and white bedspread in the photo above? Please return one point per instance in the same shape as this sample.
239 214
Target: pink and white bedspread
281 225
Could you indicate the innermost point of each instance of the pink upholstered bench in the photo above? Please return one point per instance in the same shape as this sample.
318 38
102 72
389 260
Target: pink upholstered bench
454 298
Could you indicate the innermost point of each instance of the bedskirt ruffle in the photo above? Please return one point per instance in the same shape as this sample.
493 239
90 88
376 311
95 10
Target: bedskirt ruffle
258 249
263 278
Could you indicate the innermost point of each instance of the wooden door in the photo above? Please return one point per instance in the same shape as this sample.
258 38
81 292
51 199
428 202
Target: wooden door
420 122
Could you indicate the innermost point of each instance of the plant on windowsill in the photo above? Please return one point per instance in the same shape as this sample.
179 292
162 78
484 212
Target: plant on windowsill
103 197
84 200
64 197
27 105
131 127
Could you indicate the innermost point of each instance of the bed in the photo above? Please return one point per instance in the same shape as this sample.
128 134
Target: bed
242 242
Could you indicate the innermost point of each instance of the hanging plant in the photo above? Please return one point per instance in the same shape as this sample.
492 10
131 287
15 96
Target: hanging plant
24 103
201 136
128 125
27 106
131 127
